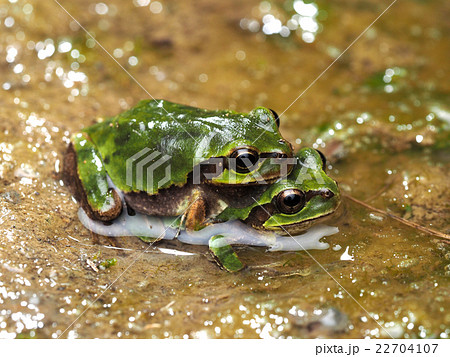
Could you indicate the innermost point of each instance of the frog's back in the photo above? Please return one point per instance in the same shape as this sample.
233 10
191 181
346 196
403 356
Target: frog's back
157 133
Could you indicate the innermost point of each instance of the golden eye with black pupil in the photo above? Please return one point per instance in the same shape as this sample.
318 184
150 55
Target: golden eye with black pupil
324 160
277 118
245 159
290 201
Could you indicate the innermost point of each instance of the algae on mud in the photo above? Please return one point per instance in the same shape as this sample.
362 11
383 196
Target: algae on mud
394 155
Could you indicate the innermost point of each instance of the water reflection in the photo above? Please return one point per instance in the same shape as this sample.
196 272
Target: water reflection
274 21
234 232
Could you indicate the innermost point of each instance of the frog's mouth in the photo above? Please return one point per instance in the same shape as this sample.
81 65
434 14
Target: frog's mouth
330 218
297 228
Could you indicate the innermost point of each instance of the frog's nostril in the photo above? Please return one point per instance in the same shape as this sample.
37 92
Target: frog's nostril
327 194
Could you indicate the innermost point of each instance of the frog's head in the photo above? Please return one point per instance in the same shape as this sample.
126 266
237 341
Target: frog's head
293 204
254 150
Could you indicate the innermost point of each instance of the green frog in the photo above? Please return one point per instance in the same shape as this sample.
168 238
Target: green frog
286 207
160 154
289 206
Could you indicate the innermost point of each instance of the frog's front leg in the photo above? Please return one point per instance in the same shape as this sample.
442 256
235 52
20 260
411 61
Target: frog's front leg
86 177
196 215
224 254
194 218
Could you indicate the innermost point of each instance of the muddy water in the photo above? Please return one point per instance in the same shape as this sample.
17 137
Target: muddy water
381 113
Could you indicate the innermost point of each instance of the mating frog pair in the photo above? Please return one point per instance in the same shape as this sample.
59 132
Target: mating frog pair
207 166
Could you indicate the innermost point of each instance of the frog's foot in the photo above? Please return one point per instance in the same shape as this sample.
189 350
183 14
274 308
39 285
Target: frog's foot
224 254
86 178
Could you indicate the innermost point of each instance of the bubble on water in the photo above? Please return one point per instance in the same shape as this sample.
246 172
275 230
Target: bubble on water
118 53
308 37
11 53
285 32
441 113
9 21
81 58
18 68
305 9
138 3
133 61
156 7
240 55
303 22
388 88
272 25
101 8
75 53
46 51
27 9
308 24
64 47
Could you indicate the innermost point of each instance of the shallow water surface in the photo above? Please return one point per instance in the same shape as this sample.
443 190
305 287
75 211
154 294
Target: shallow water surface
381 114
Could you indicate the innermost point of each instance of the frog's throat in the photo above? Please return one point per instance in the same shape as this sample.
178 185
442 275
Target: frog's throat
296 228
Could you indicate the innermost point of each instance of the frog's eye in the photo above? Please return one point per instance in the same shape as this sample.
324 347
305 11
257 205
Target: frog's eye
245 159
290 201
277 118
324 160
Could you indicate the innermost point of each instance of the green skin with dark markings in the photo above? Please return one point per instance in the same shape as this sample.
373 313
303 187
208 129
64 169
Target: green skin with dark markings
225 255
103 149
186 134
309 177
92 171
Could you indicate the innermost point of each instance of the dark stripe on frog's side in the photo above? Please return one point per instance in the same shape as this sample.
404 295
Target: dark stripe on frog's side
174 200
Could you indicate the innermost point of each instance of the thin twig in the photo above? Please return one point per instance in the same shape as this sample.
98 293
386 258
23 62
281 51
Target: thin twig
402 220
382 190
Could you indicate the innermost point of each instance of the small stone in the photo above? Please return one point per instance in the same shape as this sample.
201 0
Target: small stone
11 196
329 321
395 331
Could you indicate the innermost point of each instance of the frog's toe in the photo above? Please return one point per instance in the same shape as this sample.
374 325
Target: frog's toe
224 254
108 211
112 207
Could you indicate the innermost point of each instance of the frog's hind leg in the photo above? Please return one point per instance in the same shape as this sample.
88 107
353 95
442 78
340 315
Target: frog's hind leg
86 177
224 254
